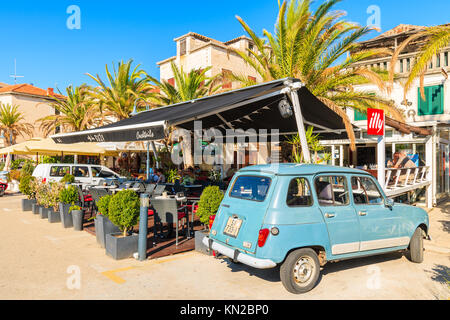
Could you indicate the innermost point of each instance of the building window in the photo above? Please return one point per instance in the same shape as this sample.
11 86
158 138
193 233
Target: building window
434 101
408 64
438 60
446 59
332 191
401 66
385 65
299 193
250 48
226 82
183 47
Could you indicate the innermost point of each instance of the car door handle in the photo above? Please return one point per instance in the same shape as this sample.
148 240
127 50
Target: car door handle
362 213
329 215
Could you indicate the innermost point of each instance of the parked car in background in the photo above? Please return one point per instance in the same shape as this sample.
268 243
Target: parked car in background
83 173
3 182
302 216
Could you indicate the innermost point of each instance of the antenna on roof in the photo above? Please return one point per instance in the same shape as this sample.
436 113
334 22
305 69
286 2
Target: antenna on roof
15 76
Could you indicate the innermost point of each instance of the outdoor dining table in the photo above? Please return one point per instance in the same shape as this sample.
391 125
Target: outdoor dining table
114 190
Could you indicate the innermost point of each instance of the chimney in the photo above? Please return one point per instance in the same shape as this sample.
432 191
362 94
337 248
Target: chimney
50 92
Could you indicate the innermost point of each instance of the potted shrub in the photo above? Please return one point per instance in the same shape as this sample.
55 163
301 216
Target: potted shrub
42 199
103 225
123 211
77 217
67 197
25 188
207 208
14 177
53 202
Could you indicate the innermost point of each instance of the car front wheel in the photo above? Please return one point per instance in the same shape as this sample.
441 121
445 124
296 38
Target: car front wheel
416 246
300 271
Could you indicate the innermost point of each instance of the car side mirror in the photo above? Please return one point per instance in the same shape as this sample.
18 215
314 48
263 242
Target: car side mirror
389 203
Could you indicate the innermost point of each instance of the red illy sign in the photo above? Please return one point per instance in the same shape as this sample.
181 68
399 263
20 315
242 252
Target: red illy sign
375 122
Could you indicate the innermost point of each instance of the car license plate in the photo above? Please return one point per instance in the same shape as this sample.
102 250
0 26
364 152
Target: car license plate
233 226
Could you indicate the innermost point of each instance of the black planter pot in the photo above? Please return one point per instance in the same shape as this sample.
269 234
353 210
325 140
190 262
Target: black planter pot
35 208
119 247
66 217
26 204
43 212
53 216
104 226
77 219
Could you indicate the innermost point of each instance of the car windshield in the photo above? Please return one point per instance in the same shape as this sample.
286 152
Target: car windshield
251 188
98 172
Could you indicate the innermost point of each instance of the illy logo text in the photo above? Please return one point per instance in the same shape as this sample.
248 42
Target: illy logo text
375 119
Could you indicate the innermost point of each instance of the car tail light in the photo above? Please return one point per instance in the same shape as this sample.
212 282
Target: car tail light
263 234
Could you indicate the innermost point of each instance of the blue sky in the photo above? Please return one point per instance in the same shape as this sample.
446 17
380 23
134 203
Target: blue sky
51 55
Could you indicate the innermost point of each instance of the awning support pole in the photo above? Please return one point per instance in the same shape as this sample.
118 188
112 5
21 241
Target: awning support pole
299 119
148 160
152 144
381 160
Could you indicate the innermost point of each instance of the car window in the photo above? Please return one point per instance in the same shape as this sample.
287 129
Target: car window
59 171
365 191
299 193
98 173
80 172
250 188
332 190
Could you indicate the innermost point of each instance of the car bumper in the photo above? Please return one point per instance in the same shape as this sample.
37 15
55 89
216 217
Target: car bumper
238 256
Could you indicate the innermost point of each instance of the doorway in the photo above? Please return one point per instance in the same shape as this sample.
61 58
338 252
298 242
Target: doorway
365 156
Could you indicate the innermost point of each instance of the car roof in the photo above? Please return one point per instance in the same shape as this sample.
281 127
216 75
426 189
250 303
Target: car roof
296 168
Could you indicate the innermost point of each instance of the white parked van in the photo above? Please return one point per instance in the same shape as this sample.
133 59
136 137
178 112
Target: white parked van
83 173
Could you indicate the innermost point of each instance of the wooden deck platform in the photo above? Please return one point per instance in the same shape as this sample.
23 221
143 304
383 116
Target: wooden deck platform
163 246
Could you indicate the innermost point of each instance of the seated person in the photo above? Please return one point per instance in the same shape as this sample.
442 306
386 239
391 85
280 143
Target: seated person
161 178
187 179
404 162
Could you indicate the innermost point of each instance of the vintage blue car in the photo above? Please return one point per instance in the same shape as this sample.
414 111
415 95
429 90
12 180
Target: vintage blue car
302 216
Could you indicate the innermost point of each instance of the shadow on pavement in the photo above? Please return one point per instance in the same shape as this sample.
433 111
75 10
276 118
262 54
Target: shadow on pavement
441 274
273 275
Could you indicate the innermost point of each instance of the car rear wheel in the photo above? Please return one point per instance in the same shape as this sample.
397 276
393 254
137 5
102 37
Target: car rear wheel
300 271
416 246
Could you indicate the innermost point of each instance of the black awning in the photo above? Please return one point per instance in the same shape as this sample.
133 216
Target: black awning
254 107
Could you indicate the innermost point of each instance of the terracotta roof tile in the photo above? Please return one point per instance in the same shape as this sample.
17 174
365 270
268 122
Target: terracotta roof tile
31 90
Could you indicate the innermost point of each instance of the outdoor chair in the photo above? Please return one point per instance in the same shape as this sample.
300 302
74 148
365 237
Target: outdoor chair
149 189
139 185
159 189
85 200
167 211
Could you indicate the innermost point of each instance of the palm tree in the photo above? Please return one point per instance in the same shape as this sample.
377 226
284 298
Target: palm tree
311 46
313 144
12 125
126 85
187 86
77 112
436 38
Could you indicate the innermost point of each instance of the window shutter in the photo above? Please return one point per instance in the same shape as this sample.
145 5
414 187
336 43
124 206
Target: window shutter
434 101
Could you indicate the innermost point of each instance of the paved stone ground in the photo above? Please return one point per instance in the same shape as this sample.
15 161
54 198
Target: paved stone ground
40 260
